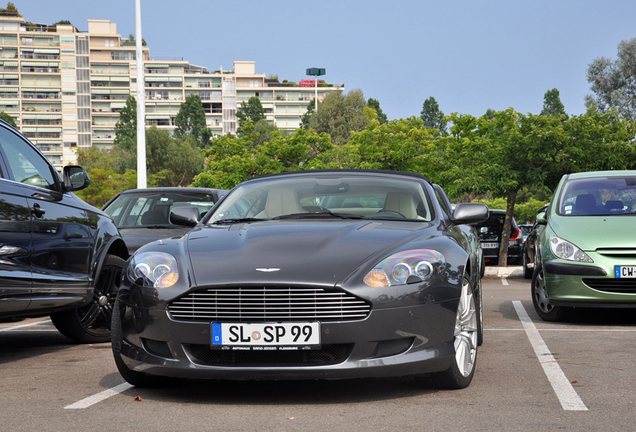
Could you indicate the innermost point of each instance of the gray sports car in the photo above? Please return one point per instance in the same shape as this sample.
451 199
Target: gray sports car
324 274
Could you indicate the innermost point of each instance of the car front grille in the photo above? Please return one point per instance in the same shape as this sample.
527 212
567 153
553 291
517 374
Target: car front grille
627 286
326 355
266 304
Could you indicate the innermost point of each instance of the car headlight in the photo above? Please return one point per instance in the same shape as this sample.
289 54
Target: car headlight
568 251
396 269
156 269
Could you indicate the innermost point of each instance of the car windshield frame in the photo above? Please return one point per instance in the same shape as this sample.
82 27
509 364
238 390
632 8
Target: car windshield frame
326 196
598 196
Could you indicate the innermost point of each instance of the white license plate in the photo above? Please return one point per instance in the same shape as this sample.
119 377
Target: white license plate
264 336
625 271
490 245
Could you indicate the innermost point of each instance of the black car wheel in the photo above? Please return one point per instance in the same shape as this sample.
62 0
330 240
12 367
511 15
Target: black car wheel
527 271
135 378
462 369
540 300
91 323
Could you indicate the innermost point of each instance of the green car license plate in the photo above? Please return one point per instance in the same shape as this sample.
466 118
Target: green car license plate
625 271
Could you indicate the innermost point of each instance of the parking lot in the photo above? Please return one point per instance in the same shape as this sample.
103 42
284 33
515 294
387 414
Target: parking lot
531 375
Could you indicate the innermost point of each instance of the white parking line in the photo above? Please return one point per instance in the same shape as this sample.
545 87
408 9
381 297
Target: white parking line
24 325
570 400
92 400
504 281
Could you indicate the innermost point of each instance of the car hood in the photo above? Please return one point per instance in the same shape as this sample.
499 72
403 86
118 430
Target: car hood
593 232
287 252
137 237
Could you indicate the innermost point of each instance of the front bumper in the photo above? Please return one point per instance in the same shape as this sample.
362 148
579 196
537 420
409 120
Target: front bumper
590 285
398 341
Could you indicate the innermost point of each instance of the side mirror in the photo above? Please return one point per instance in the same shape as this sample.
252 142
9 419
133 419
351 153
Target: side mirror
75 178
541 219
185 216
470 213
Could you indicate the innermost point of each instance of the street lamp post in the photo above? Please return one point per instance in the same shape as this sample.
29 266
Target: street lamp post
141 103
316 72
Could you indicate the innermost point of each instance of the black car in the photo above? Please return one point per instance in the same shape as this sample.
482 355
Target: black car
142 215
58 255
308 275
529 255
490 233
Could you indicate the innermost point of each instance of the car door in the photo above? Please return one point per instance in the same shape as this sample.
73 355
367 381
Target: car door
59 261
15 248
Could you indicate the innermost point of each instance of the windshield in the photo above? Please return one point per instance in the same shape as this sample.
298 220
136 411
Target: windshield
326 195
150 209
602 196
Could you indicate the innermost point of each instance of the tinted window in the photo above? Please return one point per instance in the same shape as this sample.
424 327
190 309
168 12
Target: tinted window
25 163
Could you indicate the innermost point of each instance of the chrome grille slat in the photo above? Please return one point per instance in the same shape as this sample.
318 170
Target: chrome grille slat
259 304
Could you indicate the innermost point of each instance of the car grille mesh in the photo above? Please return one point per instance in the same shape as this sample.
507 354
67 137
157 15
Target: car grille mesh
266 303
627 286
326 355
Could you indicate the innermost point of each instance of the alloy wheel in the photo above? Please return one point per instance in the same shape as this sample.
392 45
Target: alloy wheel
466 331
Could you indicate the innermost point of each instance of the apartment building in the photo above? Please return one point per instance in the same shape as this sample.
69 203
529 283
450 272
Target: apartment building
65 87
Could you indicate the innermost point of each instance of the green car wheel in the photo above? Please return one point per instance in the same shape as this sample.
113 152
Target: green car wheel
540 300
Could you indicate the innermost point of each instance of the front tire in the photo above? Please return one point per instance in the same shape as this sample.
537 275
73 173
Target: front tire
461 371
546 310
91 323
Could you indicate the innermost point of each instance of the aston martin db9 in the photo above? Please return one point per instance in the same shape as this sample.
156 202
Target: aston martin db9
328 274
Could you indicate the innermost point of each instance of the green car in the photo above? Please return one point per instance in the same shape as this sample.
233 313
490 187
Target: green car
586 245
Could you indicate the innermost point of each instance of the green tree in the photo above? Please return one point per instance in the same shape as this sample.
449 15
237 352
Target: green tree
552 105
10 10
338 115
400 145
231 160
126 126
433 117
252 110
191 120
305 120
6 117
375 104
490 113
614 82
172 161
511 151
105 181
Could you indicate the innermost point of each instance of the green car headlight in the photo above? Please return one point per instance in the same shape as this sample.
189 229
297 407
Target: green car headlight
156 269
568 251
396 269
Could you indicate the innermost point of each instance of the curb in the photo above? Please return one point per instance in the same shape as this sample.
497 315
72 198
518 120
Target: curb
503 272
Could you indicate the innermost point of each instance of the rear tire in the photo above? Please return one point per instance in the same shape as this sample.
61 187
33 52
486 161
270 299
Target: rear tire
461 371
546 310
527 271
91 323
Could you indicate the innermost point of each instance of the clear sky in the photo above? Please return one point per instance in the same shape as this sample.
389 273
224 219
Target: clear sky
470 55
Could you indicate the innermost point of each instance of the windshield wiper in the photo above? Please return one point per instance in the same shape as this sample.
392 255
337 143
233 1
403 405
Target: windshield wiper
236 220
319 215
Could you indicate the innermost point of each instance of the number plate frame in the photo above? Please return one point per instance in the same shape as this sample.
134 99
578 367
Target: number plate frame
266 336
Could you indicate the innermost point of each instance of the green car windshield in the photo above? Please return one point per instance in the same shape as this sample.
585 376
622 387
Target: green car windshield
598 196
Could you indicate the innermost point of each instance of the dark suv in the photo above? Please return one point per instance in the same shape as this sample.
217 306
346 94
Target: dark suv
58 255
490 233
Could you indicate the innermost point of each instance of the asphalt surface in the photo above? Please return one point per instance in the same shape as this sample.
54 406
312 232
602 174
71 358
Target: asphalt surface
531 375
